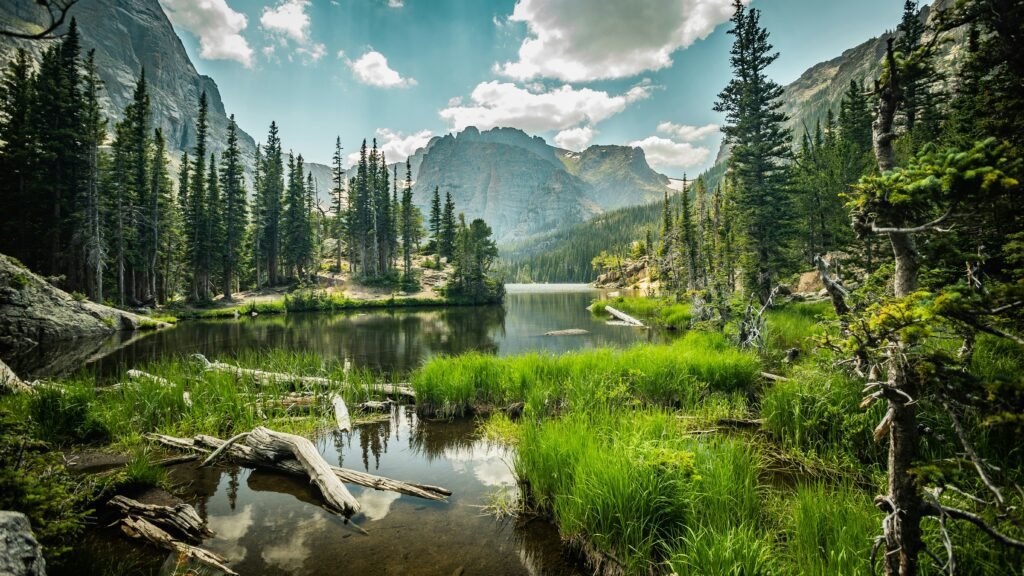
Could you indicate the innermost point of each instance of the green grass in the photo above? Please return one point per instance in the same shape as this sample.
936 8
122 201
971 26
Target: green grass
141 472
828 530
681 374
634 485
664 312
310 301
796 325
816 413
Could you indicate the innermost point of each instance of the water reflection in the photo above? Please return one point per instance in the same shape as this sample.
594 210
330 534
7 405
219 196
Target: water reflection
268 523
387 342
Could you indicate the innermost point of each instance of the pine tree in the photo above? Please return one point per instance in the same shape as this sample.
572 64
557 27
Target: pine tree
271 194
446 248
751 102
196 216
338 200
435 219
408 223
165 226
94 132
687 236
233 210
213 241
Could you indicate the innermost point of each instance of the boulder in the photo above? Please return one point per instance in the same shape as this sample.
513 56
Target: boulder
35 313
20 553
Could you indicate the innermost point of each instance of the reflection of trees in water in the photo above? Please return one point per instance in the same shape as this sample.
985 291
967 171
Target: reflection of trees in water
373 439
439 439
233 487
540 547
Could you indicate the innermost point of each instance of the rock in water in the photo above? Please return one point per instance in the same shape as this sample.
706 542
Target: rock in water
34 313
20 553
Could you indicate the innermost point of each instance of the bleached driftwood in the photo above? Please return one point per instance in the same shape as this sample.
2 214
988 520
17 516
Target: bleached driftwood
375 406
320 473
143 529
341 413
9 381
568 332
182 519
269 378
245 455
623 316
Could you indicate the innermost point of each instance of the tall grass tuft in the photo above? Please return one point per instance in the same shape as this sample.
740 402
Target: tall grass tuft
829 530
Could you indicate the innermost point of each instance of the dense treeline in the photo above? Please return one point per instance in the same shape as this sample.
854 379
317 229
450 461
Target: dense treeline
100 213
568 255
908 202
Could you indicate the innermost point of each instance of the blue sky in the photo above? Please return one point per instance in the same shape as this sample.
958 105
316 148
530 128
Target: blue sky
577 72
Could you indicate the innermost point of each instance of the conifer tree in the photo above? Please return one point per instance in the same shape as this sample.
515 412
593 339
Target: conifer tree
338 200
751 102
233 210
94 132
213 237
408 223
164 225
271 195
196 218
446 247
435 219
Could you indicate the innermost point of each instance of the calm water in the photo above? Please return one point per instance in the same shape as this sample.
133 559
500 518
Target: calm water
387 342
272 524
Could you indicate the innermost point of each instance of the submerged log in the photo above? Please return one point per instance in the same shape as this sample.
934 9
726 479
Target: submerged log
375 406
182 520
142 529
623 316
245 455
264 378
567 332
320 473
341 413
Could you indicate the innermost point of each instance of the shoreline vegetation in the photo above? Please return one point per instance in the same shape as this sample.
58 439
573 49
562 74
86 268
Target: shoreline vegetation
679 457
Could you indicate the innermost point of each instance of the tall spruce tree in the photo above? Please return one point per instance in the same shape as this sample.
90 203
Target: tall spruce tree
446 247
751 102
338 201
233 210
196 216
271 195
408 223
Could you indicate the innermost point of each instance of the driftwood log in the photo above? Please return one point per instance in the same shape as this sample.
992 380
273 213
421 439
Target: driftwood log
143 529
265 378
623 316
375 406
320 473
181 520
341 413
245 455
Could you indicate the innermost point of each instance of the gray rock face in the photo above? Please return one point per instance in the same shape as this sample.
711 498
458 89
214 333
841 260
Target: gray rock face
127 36
618 175
37 314
516 191
521 185
20 553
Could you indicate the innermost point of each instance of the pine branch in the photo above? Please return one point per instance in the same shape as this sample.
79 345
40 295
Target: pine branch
56 11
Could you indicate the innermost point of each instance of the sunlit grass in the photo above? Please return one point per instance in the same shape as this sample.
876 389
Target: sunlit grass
680 374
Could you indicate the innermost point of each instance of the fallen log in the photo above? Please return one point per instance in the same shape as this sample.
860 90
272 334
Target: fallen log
245 455
567 332
774 377
264 378
320 473
142 529
182 520
341 413
375 406
623 316
9 381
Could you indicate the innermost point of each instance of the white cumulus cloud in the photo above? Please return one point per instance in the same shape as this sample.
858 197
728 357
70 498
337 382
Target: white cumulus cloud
217 26
396 145
582 40
495 103
574 139
372 68
687 133
288 18
396 3
665 153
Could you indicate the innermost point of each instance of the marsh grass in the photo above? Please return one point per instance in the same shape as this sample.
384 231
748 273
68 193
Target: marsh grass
309 301
141 472
679 375
828 530
796 325
665 312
